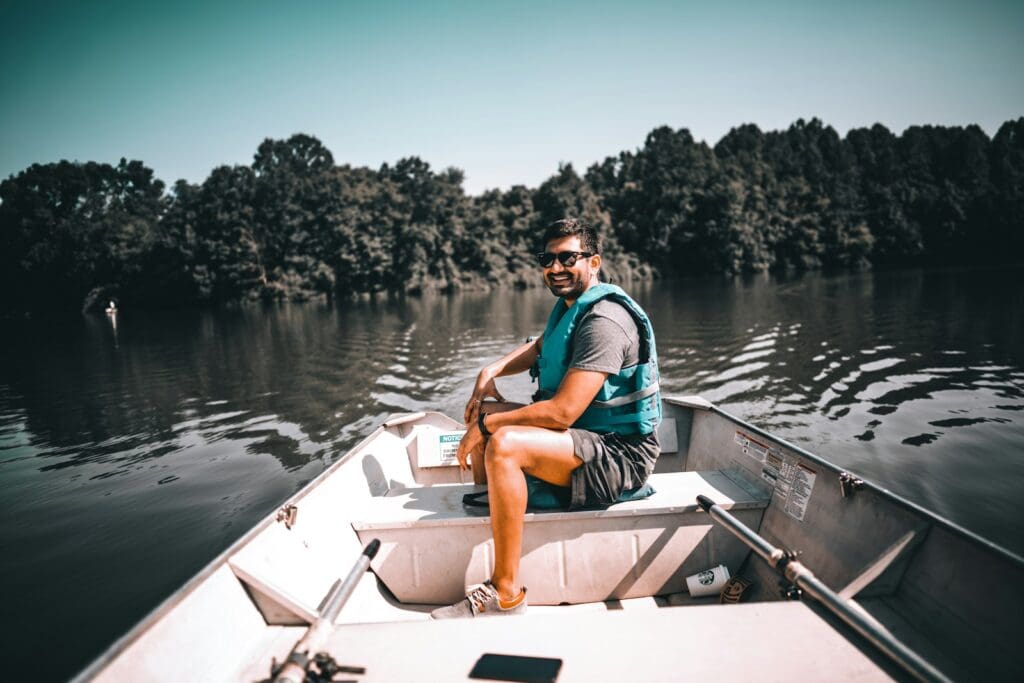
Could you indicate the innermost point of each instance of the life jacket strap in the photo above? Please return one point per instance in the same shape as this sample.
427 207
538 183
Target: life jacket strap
628 398
650 413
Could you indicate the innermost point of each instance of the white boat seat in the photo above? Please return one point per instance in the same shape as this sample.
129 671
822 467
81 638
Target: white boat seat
432 546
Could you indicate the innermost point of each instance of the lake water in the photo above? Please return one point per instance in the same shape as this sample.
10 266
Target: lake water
131 455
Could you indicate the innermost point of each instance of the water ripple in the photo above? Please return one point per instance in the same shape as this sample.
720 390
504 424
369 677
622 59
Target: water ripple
166 447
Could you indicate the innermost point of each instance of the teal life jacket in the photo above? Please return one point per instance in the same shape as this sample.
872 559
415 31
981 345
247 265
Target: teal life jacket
629 402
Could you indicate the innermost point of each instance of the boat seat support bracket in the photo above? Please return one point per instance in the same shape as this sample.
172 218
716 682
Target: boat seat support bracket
790 591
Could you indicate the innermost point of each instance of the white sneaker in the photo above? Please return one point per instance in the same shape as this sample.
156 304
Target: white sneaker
482 601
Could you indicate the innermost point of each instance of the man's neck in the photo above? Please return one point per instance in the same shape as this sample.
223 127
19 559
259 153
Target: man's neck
569 302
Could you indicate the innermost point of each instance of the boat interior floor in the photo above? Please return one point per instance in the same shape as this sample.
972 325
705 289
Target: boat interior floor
771 638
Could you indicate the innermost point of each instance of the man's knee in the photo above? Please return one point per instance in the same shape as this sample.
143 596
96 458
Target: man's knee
502 445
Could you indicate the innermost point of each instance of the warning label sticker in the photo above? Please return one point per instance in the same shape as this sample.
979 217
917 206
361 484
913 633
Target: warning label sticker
448 446
751 446
800 490
772 469
436 448
792 481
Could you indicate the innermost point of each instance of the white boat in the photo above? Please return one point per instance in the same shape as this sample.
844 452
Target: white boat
909 594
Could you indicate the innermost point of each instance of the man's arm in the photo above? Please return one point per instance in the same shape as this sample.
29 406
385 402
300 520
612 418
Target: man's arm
600 348
577 390
518 360
574 394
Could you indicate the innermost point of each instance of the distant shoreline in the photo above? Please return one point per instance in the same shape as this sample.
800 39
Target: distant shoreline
294 225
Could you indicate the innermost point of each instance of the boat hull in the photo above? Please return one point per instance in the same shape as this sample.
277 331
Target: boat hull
903 565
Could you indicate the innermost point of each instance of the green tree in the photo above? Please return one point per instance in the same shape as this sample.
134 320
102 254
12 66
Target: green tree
67 228
295 225
1004 214
651 198
433 208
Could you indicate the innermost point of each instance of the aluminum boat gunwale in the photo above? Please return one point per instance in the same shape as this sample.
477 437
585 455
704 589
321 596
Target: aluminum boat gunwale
866 483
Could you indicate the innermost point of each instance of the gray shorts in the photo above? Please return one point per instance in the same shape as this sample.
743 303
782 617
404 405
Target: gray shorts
611 464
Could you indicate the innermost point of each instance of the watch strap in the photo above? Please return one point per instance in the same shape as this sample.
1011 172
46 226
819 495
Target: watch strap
480 424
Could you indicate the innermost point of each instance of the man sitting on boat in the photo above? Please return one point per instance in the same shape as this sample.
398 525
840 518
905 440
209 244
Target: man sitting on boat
592 426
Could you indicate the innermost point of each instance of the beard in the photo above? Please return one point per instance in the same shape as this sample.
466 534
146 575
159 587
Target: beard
570 287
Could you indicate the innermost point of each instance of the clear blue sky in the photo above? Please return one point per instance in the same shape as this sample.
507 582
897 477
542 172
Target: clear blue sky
504 91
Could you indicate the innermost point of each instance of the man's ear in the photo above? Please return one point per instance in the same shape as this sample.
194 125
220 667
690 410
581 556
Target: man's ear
595 262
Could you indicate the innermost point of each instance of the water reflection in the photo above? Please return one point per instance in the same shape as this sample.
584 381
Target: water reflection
297 383
161 440
303 383
829 346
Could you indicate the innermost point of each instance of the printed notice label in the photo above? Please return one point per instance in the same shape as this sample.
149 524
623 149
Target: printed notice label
793 482
448 445
800 490
751 446
435 448
772 469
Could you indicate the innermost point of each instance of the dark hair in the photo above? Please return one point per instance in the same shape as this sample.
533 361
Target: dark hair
573 227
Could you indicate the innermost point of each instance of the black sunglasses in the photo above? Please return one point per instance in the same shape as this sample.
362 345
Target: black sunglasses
566 258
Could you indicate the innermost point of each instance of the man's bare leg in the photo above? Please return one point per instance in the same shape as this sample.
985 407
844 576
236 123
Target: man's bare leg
543 453
488 407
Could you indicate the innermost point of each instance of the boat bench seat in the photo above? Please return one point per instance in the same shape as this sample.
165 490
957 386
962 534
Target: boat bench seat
432 546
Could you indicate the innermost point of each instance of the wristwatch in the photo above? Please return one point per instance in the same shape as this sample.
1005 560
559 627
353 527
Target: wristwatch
480 423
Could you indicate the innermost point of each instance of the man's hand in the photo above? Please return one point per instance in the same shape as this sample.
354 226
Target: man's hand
511 363
472 445
484 388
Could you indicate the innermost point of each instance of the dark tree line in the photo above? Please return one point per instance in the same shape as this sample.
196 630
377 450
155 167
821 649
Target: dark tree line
296 225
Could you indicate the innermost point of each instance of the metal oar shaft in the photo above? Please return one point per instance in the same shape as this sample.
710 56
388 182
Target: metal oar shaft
341 591
294 669
804 578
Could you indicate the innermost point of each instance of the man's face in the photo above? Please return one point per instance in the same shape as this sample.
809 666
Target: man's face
570 281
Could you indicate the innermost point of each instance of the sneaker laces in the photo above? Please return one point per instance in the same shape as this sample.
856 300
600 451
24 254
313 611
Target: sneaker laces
480 594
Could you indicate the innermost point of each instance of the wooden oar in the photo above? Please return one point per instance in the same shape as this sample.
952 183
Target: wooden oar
295 667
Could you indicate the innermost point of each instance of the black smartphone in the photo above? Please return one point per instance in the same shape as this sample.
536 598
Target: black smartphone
515 668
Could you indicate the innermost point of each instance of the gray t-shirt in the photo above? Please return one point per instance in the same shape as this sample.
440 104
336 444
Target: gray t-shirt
606 339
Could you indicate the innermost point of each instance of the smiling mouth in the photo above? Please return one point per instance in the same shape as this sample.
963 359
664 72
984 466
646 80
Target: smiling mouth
561 279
